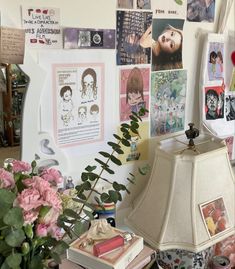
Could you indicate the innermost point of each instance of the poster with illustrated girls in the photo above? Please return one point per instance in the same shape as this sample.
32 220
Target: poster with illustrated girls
78 103
168 98
169 9
215 66
134 4
134 91
138 150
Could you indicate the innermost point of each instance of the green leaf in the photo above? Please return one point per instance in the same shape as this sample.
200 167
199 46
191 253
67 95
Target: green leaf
179 2
133 118
124 130
113 145
89 214
90 168
134 130
119 151
15 238
131 180
125 125
6 197
36 263
118 187
113 196
92 176
127 136
126 143
115 160
14 260
134 125
101 162
14 217
86 185
117 136
5 265
84 176
71 213
108 170
4 248
104 197
55 257
80 227
44 210
60 247
105 154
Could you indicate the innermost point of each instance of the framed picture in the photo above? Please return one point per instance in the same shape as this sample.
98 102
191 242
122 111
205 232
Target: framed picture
215 216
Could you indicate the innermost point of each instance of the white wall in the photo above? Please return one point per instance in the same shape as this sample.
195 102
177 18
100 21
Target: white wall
101 14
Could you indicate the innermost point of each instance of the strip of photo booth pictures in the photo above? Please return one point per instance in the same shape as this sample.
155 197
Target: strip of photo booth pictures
166 39
131 25
201 10
229 143
215 66
168 99
87 38
230 107
214 102
134 91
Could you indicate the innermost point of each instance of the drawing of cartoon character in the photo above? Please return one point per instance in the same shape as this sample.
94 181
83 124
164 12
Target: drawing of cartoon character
66 105
94 111
89 84
82 114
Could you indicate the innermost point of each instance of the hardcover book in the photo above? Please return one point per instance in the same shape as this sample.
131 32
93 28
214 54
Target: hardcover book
119 258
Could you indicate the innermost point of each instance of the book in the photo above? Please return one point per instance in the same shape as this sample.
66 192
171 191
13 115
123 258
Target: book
143 258
117 259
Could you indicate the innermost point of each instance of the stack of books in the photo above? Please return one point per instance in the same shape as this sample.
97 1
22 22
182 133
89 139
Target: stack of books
132 255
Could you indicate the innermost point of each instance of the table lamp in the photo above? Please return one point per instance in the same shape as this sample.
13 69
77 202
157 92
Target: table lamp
189 201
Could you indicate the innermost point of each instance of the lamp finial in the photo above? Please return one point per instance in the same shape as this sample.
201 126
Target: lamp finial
191 134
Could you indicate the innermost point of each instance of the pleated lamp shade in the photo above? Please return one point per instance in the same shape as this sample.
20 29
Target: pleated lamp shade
189 202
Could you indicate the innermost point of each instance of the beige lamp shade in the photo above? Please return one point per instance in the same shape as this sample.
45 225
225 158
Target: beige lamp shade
189 202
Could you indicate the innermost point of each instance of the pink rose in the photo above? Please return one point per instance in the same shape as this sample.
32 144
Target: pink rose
51 198
30 216
37 183
6 179
41 230
52 175
20 166
56 232
29 199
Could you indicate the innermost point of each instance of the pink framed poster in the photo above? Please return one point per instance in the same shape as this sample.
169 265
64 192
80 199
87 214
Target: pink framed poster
78 110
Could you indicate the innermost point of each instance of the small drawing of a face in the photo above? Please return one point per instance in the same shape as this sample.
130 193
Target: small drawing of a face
67 95
134 98
82 113
88 82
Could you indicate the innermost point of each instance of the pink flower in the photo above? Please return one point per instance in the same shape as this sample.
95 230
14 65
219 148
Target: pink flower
51 217
29 199
56 232
41 230
20 166
37 183
6 179
52 175
51 198
30 216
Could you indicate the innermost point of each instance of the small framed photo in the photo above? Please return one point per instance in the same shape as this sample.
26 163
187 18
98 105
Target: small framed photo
215 216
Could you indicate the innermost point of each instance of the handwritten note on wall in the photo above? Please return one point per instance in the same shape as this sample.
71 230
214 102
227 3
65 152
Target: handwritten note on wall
12 43
42 27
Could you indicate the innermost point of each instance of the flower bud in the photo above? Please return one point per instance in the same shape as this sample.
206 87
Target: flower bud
25 248
28 231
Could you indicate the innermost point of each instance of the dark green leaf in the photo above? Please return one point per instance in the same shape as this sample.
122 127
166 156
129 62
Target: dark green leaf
60 247
124 130
14 217
89 214
126 143
14 260
131 180
36 263
105 154
113 196
90 168
134 125
132 117
119 151
15 238
117 137
6 197
118 187
92 176
127 136
104 197
4 248
56 257
115 160
113 145
80 227
71 213
125 125
86 185
134 130
119 196
101 162
84 176
108 170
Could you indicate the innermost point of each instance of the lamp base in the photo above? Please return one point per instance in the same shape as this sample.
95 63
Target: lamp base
183 259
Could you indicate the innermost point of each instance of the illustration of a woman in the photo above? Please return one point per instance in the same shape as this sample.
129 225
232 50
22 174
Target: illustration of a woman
66 105
89 84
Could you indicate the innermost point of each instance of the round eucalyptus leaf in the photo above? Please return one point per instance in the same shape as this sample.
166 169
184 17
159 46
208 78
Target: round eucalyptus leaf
14 217
14 260
6 197
15 238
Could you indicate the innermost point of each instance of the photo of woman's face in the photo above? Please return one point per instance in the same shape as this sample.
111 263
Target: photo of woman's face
170 41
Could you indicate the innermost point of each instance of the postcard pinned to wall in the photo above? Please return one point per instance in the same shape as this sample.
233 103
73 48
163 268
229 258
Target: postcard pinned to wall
232 81
134 91
134 4
87 38
12 44
215 64
169 9
215 216
78 103
168 100
201 10
42 27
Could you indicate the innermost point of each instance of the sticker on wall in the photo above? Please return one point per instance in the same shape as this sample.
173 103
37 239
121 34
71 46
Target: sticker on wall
134 91
125 4
230 107
201 10
42 27
87 38
168 98
229 143
167 41
131 25
232 83
138 149
78 106
169 9
215 65
215 217
214 102
134 4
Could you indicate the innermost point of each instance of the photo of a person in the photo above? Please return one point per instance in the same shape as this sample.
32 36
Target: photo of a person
230 107
143 4
215 61
214 104
66 105
165 37
89 84
201 10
